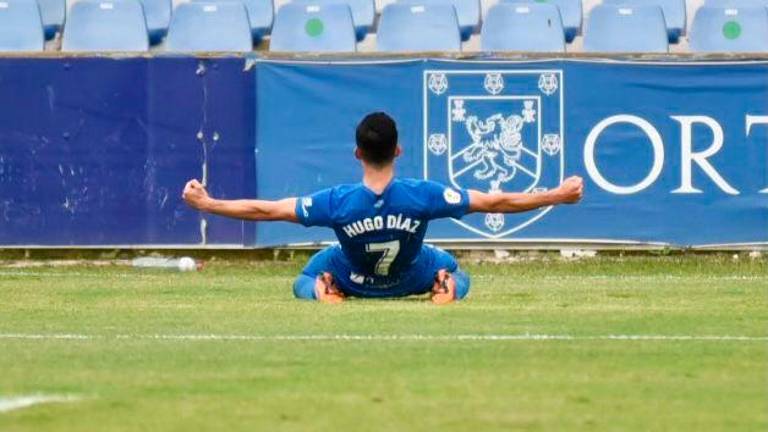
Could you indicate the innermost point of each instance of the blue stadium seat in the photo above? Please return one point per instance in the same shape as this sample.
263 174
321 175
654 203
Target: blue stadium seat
158 14
363 13
467 12
260 15
52 13
21 27
730 29
105 25
209 26
626 29
418 27
523 27
737 3
570 13
674 14
313 28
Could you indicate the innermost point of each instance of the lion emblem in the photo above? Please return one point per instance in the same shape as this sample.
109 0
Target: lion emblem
496 146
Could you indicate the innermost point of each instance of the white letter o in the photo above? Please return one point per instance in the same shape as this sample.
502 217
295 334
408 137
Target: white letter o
658 154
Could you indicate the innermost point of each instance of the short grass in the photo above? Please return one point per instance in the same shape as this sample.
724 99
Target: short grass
130 381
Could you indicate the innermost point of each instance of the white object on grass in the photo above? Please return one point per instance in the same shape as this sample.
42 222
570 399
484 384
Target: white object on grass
501 254
184 264
578 253
187 264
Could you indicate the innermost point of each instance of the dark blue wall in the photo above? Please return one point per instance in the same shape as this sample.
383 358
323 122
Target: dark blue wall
95 151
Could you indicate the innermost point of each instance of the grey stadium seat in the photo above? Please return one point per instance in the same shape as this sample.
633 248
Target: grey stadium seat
363 13
209 26
529 27
730 29
571 12
261 14
626 29
105 25
313 27
674 14
21 27
412 27
468 12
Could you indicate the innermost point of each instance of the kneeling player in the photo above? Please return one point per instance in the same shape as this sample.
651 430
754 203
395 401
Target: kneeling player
380 224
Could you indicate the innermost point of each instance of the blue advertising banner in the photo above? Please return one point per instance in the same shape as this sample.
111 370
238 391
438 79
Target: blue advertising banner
672 153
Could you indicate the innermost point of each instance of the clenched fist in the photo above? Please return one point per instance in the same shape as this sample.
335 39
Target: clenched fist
195 195
571 190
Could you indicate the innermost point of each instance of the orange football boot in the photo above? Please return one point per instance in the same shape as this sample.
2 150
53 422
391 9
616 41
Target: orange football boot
326 290
444 290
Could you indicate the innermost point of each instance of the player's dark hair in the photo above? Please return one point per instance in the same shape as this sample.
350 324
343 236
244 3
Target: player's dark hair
376 138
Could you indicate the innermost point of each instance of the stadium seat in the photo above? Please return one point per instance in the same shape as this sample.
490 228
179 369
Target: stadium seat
105 25
737 3
626 29
467 12
209 26
260 16
363 13
523 27
158 14
20 26
570 13
418 27
730 29
52 13
674 14
313 28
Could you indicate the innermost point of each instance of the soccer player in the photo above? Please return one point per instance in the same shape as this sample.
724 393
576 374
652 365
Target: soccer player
380 224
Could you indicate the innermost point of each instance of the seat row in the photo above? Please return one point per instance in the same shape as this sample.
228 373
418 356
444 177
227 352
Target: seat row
408 25
732 26
133 25
616 26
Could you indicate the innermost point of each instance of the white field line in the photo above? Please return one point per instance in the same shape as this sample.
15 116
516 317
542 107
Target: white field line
19 402
46 336
474 276
390 337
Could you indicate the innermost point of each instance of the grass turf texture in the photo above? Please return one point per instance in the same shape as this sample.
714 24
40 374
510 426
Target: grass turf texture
391 385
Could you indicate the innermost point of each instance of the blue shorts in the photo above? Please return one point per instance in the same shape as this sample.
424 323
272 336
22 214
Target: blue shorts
419 279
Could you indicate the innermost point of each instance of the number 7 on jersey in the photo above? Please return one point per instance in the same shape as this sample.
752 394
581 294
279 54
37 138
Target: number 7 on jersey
390 250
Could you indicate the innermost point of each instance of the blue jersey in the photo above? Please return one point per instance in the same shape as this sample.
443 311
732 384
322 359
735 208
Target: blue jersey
381 235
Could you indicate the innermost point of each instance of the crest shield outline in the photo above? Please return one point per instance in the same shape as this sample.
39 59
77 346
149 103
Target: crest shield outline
494 138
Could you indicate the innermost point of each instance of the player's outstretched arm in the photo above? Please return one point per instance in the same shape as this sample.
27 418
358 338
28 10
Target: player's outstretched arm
569 192
197 197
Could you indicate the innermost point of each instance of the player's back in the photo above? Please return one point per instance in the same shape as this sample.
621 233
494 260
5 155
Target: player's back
381 235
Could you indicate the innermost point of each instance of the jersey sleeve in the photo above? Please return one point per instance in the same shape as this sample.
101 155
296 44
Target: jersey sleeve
315 209
446 202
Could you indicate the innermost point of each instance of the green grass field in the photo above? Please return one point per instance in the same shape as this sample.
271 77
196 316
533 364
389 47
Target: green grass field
230 349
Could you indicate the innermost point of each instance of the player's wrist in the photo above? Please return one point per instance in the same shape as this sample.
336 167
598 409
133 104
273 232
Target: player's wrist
554 197
207 204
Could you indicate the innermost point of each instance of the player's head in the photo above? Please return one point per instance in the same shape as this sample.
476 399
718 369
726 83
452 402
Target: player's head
376 138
